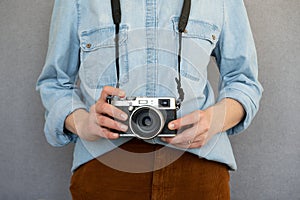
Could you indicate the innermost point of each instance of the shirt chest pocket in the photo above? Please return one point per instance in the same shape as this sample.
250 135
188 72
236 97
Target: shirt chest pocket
198 41
98 55
198 31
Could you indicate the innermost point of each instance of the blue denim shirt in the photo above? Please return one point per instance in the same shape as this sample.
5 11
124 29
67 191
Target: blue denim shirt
82 47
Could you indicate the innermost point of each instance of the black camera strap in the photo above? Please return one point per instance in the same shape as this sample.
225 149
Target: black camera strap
183 21
116 13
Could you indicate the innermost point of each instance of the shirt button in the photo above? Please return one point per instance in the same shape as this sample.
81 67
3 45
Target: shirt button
88 45
214 37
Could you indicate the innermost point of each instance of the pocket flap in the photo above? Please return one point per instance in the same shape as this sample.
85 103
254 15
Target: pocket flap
102 37
199 29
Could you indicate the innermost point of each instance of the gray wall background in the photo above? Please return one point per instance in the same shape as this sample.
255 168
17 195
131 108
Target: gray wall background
268 153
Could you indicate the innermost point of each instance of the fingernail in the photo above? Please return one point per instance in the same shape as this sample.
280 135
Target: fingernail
121 94
171 126
124 127
115 135
123 116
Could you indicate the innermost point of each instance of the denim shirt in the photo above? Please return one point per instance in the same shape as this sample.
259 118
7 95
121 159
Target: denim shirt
81 60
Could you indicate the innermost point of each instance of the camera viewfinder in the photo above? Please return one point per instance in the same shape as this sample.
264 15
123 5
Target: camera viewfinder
164 103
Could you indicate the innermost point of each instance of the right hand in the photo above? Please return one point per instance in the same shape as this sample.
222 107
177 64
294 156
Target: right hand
97 123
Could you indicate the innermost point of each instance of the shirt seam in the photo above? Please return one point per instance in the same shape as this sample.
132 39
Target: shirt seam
222 28
78 17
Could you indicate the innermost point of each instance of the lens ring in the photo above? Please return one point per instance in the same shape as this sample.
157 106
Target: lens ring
133 126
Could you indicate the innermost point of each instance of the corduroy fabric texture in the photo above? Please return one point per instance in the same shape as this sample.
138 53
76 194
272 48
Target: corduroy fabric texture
188 177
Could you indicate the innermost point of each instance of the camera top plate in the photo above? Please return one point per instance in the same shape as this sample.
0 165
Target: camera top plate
163 103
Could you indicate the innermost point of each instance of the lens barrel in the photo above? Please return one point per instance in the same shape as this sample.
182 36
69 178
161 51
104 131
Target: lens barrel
146 122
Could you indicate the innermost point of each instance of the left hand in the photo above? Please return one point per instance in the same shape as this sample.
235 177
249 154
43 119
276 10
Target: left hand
198 133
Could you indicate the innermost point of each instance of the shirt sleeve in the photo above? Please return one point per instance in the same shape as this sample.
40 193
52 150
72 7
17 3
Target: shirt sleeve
57 82
237 62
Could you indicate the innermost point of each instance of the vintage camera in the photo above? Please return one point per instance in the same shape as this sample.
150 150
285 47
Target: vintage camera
148 117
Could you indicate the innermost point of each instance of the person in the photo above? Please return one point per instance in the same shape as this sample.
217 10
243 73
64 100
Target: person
148 48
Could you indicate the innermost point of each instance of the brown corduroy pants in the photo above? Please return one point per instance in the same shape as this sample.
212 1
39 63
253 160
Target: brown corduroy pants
187 178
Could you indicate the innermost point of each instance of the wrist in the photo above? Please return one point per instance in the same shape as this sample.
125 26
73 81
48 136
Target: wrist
216 116
75 121
225 115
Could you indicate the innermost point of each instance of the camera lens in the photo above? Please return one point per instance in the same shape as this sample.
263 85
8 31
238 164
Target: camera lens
146 122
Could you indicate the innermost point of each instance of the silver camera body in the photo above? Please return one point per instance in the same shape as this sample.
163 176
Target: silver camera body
148 116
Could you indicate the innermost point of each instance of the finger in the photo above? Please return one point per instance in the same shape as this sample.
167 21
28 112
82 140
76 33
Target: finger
112 111
202 139
106 133
191 145
111 91
182 138
107 122
194 133
186 145
186 120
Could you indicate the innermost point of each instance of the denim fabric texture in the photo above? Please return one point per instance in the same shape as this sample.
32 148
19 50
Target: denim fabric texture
82 47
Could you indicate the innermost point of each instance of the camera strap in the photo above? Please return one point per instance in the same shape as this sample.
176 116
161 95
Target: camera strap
183 21
116 14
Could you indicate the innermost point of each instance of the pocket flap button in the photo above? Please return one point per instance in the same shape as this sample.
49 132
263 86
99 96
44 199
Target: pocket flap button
88 45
